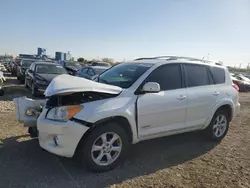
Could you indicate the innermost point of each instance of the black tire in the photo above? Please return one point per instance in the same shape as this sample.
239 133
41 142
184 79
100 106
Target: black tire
211 130
85 146
33 90
1 92
21 81
25 83
33 132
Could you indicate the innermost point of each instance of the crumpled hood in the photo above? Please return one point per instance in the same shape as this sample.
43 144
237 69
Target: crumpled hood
70 84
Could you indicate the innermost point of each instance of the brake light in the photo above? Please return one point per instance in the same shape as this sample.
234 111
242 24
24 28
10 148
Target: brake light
236 87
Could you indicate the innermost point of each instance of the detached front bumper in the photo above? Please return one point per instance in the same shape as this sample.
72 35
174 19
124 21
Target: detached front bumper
60 138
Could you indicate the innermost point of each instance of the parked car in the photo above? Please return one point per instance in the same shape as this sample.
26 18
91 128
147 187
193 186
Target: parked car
2 80
8 66
40 74
2 67
71 66
241 81
14 64
100 64
21 69
131 102
91 72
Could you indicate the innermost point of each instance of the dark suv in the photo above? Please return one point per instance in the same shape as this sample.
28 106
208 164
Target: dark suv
40 74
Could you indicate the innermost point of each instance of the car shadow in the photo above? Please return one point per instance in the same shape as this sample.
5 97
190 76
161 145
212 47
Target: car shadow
47 169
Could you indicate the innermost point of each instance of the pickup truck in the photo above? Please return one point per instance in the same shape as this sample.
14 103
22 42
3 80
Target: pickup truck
147 98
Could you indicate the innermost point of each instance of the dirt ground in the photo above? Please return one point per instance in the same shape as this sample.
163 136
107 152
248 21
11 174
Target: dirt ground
186 160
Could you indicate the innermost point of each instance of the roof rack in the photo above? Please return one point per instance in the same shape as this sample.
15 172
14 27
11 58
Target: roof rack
176 58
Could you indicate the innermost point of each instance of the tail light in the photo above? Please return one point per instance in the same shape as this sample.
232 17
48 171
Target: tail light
236 87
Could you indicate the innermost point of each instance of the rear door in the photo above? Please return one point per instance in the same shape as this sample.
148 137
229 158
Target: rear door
221 90
201 94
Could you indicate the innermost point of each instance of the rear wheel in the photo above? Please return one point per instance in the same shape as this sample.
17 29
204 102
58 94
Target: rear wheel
219 125
104 148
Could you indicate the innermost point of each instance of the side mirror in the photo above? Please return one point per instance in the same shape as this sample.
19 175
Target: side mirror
151 87
30 71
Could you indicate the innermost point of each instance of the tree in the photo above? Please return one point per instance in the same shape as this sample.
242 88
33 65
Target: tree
108 60
81 59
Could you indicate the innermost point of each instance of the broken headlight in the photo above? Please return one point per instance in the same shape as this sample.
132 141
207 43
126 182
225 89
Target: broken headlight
63 113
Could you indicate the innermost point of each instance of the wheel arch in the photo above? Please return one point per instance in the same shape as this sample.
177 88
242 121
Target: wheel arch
226 105
124 123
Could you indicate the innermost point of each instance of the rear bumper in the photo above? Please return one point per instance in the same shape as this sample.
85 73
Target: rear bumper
67 135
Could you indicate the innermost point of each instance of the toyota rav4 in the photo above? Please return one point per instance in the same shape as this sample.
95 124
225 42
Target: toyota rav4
139 100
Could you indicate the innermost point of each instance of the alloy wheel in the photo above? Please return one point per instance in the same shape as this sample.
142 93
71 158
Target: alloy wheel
220 125
106 149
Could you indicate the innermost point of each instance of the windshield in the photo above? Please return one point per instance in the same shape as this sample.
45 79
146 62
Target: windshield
50 69
73 64
124 75
26 63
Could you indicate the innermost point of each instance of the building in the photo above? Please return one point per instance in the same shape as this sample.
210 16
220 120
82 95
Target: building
59 56
41 52
67 56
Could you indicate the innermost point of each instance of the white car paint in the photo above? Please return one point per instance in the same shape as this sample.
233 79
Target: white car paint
149 115
69 84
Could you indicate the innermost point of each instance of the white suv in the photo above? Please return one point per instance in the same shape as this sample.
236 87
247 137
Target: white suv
139 100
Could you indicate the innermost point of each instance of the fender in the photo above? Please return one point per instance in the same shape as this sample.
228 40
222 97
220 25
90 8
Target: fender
225 101
119 106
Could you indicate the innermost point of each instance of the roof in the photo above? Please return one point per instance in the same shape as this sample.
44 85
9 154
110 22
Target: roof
173 59
30 59
99 67
46 63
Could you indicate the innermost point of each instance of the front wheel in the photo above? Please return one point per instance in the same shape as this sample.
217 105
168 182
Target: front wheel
219 125
104 148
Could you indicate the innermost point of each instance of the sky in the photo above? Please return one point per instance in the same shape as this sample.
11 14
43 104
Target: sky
127 29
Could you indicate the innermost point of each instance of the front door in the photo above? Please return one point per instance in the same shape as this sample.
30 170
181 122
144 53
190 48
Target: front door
159 113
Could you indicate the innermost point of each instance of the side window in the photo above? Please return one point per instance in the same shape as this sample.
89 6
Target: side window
197 75
168 76
33 68
218 74
91 72
84 71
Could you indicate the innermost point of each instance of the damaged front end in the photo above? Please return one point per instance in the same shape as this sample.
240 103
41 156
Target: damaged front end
64 90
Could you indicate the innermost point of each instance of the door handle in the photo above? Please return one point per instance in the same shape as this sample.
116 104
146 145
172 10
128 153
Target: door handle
216 93
181 97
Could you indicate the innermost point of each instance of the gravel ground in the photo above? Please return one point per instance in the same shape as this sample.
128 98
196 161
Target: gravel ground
185 160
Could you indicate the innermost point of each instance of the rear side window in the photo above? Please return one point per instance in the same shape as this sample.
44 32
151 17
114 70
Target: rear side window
168 76
197 75
218 75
